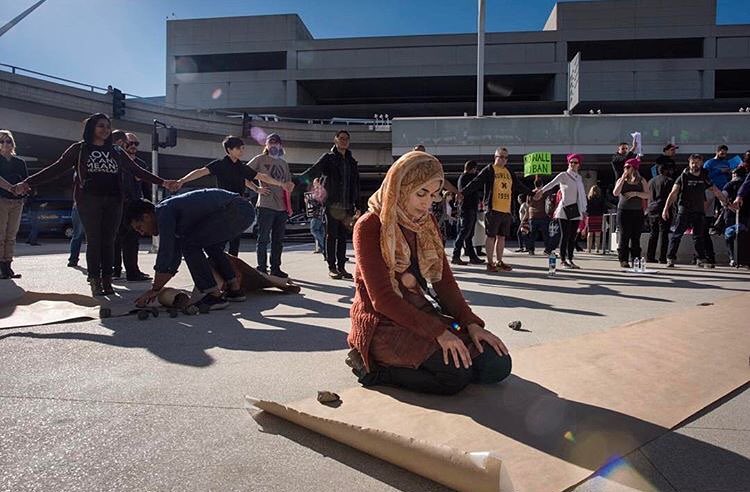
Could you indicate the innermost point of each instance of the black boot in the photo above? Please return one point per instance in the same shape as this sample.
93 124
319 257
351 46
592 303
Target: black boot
107 289
96 287
10 272
4 270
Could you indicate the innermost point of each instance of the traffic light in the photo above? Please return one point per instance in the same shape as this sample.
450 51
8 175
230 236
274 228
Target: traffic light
118 104
247 125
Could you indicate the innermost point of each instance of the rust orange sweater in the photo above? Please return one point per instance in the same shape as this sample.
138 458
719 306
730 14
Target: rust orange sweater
407 334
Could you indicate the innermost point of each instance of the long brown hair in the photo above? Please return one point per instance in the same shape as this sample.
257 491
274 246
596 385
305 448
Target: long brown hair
595 192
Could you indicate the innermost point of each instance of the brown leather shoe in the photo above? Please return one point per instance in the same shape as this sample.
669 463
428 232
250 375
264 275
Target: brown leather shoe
504 267
492 268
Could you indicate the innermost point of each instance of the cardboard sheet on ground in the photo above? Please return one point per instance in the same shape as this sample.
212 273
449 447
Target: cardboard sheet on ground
37 308
570 407
19 308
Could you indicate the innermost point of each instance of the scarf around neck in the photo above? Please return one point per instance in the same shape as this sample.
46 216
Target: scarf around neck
405 176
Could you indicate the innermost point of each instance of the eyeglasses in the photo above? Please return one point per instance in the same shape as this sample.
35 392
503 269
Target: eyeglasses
503 157
7 142
132 143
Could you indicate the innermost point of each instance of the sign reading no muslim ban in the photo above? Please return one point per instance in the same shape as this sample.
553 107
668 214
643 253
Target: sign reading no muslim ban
537 163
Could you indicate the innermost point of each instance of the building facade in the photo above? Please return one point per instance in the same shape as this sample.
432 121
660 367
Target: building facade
637 56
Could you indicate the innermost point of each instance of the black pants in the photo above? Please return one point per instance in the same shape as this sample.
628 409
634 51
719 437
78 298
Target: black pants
101 216
126 249
630 223
435 377
234 246
708 244
659 234
696 220
335 238
568 230
466 233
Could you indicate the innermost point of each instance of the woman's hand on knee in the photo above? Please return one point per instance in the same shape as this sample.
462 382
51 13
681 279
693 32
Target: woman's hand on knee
455 349
479 335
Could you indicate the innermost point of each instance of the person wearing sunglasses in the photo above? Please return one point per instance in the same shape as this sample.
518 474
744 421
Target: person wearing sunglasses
500 185
571 208
12 170
98 191
126 242
631 188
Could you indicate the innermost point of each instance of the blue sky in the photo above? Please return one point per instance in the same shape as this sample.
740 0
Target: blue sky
122 42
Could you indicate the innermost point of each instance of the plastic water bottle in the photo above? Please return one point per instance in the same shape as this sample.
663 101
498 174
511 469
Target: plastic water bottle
552 264
643 264
637 265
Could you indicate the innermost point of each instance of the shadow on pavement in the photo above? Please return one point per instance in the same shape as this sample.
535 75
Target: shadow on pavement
186 339
598 438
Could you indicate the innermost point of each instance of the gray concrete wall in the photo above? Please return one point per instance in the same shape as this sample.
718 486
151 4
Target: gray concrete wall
588 134
446 55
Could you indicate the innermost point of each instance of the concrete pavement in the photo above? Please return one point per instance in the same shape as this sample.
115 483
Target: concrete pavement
158 405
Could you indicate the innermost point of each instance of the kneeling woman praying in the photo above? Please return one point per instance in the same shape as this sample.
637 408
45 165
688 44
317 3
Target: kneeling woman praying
398 337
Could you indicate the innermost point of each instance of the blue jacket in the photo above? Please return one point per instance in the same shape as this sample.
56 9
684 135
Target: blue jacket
177 216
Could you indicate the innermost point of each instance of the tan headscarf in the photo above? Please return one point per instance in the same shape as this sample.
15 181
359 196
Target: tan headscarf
406 176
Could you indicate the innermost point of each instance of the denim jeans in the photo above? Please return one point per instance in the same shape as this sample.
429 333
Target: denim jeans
76 240
684 220
541 225
466 232
318 230
208 237
271 227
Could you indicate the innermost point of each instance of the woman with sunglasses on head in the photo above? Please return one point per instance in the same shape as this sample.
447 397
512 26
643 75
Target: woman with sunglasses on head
571 208
12 171
632 188
98 192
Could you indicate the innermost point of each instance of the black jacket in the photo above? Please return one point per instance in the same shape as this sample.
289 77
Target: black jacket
659 189
14 171
341 176
471 199
485 180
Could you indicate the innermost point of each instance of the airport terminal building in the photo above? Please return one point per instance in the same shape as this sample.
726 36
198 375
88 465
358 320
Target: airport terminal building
662 56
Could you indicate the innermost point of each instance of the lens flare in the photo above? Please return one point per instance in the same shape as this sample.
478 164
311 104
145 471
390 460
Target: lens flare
569 436
258 134
216 94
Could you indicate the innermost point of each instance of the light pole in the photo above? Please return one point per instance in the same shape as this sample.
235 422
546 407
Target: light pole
480 58
19 17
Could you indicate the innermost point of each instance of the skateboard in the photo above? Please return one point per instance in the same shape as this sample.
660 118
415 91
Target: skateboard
173 302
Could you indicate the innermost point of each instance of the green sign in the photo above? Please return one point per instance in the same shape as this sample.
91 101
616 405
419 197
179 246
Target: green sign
537 163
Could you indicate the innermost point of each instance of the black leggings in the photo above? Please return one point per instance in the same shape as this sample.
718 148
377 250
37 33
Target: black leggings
434 376
569 230
630 223
100 215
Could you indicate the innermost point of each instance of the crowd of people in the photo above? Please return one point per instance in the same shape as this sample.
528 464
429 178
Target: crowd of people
411 326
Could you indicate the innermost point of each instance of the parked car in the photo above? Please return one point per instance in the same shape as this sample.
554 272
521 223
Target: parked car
53 217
